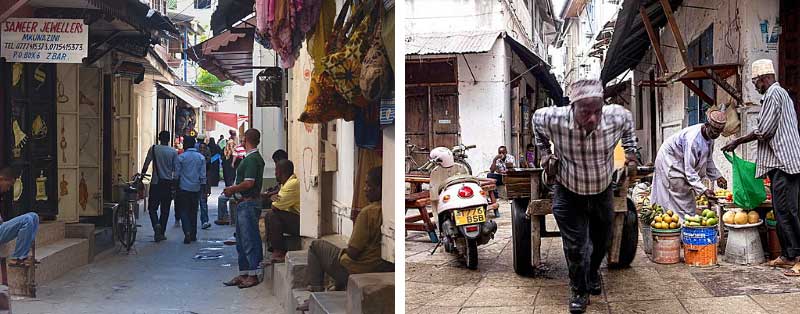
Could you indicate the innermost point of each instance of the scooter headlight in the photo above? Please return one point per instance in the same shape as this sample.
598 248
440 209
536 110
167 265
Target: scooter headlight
446 198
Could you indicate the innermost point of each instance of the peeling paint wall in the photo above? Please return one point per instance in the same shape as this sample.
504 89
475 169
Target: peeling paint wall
484 104
738 38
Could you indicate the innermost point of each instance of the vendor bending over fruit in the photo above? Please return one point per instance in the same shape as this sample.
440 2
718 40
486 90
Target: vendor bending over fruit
683 161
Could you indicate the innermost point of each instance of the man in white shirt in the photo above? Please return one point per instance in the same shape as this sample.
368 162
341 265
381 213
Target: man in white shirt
683 160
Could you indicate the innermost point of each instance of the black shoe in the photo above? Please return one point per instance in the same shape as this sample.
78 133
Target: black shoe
578 302
187 240
596 287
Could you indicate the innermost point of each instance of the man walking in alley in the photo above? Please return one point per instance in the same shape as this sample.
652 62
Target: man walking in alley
284 218
583 136
22 228
162 184
205 189
778 157
249 177
363 252
683 160
191 172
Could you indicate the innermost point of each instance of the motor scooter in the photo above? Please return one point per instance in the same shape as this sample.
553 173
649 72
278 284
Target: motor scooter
460 210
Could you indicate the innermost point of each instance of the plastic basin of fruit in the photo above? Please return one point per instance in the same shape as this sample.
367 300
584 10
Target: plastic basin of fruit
678 230
745 225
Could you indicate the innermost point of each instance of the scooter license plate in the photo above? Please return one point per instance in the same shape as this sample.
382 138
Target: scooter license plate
470 216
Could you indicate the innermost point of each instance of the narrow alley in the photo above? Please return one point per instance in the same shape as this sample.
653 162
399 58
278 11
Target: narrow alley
166 277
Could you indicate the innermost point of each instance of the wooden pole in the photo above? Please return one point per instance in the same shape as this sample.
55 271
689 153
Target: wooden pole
677 32
648 26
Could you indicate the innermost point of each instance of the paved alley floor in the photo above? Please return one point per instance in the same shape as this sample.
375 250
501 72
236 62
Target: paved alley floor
161 278
441 284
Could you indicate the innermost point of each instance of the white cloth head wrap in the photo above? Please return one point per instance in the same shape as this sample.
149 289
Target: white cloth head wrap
762 67
585 89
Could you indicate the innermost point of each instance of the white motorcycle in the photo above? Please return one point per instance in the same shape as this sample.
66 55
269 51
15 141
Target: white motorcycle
460 208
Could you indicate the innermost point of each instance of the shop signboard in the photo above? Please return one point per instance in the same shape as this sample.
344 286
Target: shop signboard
30 40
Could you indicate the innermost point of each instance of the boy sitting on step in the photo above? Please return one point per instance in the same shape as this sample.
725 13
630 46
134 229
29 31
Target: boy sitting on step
23 227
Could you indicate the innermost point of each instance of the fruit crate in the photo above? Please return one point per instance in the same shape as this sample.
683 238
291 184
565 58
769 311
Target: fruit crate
520 182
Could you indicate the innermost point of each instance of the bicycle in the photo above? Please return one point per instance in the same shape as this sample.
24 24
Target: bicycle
125 226
411 149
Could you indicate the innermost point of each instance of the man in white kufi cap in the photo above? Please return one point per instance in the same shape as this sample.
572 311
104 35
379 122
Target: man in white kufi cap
583 136
778 158
683 160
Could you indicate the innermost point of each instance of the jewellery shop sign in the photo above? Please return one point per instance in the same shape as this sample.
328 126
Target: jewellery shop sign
44 40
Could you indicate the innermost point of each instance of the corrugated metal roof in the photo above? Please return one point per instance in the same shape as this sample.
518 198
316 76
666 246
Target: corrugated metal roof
449 43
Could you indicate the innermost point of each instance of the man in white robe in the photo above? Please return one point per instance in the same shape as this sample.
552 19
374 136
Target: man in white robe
683 160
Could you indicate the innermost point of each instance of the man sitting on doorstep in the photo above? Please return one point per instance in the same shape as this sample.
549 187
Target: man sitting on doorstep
363 253
249 177
23 227
500 165
223 217
285 214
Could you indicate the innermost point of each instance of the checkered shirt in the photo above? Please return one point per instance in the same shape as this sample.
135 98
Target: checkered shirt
778 138
586 160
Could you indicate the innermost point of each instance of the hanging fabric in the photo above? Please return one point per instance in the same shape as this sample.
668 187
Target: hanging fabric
283 25
387 33
375 72
344 65
324 103
321 32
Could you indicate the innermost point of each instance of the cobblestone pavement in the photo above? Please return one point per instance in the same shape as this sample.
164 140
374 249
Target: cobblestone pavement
162 278
439 283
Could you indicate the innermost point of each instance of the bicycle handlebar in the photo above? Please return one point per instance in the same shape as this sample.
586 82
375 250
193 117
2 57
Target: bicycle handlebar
470 146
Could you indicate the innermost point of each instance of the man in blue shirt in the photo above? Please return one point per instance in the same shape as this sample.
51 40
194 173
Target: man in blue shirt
163 158
191 172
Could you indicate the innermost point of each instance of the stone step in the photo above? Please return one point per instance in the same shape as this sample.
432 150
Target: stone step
298 297
279 288
82 231
50 232
103 240
296 263
334 302
370 293
55 260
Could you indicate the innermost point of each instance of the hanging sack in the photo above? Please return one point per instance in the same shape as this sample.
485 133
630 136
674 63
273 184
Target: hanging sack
324 103
344 65
748 191
375 71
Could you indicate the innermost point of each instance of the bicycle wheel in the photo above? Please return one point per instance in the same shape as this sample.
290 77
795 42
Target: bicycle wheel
120 230
131 234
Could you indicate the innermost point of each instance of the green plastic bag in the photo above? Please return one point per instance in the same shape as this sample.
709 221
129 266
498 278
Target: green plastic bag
748 191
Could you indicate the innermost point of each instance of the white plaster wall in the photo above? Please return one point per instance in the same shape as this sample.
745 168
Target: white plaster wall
425 16
388 196
484 108
730 46
344 177
145 92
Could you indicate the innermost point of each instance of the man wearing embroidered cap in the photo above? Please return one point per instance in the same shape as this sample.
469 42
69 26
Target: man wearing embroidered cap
778 157
583 136
683 160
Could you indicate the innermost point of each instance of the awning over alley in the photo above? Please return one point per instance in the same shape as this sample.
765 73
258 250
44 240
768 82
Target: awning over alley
230 119
193 97
482 42
630 41
229 55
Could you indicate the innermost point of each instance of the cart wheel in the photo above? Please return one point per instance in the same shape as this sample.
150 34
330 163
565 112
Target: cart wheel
434 238
472 254
521 237
630 238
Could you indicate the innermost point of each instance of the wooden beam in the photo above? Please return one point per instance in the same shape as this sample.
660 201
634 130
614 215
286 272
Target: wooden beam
654 41
699 92
676 32
737 95
13 9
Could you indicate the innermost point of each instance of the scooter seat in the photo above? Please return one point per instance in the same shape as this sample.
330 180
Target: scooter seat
459 178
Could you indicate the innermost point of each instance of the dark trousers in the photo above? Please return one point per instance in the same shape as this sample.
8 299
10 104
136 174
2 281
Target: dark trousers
323 258
228 172
785 200
585 225
278 223
160 195
186 204
498 181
